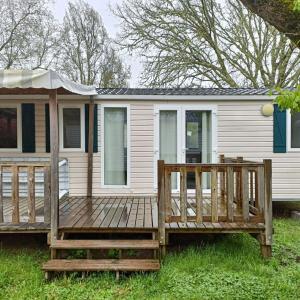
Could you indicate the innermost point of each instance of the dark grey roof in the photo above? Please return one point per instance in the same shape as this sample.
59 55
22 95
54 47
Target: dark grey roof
184 91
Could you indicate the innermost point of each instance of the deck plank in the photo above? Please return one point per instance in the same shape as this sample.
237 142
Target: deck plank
128 213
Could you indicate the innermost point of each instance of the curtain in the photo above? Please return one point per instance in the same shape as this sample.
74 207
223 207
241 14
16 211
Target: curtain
115 146
72 127
168 139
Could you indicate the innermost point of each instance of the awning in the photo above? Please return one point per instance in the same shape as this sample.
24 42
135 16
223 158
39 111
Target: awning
45 79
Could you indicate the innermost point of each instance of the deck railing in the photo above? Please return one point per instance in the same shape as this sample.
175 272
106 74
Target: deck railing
240 191
31 173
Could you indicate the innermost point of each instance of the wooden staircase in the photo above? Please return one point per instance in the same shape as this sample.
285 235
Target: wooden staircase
56 264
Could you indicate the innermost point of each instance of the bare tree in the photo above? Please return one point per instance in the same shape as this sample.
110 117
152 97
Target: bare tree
28 34
201 43
87 55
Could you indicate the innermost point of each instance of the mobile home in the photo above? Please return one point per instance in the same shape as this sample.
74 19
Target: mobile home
157 161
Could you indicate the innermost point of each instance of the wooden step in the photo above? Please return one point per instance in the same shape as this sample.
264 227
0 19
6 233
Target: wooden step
105 244
85 265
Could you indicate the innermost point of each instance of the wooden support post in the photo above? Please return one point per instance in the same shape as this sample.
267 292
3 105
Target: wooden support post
214 194
90 149
199 196
31 194
230 194
183 195
161 206
1 196
268 201
54 163
47 193
15 195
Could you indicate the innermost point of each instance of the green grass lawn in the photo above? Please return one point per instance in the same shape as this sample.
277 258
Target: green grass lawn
229 268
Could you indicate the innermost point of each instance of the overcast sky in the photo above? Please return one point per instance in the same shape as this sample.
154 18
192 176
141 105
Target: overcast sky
111 25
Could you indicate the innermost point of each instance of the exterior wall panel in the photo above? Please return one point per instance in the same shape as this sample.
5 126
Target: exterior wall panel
241 131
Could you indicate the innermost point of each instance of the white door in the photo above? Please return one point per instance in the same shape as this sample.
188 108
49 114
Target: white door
185 134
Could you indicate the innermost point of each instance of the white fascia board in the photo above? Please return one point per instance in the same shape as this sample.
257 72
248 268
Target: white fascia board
186 97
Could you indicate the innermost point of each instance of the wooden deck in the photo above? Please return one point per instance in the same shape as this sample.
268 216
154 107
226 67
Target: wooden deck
118 214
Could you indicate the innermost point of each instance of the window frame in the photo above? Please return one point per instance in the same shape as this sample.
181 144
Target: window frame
102 148
289 133
61 128
19 127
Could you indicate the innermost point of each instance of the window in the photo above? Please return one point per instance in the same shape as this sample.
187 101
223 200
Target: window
71 128
115 146
295 130
9 124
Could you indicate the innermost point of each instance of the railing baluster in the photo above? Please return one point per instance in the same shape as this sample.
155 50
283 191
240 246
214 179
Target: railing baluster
223 183
199 198
47 205
214 194
1 196
15 194
251 173
31 194
230 194
245 193
183 194
260 189
168 194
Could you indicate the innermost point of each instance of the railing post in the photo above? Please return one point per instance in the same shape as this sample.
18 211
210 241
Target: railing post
161 206
268 202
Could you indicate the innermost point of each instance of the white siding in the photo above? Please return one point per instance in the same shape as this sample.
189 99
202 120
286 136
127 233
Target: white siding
242 131
40 137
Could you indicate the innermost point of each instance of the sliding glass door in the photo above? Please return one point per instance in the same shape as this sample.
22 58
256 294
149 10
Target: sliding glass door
115 146
186 135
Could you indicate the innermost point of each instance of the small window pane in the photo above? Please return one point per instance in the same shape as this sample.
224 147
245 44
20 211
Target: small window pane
71 128
8 128
115 146
295 132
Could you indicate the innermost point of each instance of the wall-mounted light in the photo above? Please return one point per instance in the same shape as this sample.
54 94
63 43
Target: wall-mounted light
267 110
